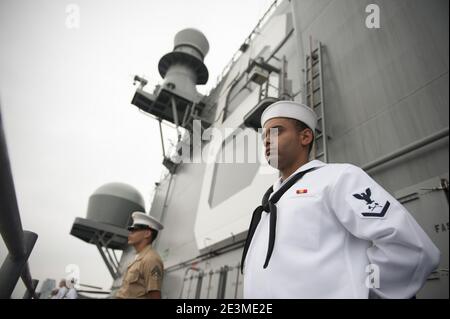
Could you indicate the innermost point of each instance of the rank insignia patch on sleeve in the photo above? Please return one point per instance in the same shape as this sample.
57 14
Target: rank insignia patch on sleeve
374 208
156 272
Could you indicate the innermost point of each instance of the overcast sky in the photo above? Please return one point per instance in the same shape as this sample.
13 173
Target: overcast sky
65 98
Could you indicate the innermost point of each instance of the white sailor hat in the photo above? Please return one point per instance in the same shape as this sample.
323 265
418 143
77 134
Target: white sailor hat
291 110
144 221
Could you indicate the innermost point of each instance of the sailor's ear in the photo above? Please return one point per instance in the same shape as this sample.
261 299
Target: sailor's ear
307 136
148 233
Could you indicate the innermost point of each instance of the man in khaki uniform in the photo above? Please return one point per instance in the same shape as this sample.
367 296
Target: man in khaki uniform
144 275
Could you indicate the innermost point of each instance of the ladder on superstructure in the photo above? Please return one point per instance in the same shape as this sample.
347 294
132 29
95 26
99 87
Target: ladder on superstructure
314 99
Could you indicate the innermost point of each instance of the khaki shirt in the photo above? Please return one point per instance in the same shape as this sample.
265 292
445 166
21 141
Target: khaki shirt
143 275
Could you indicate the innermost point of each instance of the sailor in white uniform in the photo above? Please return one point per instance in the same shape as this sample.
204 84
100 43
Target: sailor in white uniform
328 230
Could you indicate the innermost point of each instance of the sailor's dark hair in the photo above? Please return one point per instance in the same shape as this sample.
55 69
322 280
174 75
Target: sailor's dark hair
154 235
302 126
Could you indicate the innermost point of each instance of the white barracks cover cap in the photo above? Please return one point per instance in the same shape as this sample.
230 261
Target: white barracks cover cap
142 219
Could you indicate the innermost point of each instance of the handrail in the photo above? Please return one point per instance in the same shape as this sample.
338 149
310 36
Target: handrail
407 149
247 40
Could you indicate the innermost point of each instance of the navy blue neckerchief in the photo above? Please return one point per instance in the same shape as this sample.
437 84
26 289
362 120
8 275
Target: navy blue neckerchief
268 206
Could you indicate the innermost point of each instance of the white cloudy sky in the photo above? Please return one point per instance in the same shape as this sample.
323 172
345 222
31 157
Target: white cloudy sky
65 100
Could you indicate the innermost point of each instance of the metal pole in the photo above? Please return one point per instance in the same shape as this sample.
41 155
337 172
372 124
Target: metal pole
407 149
311 89
162 140
13 267
175 116
28 294
165 199
110 268
322 105
282 79
18 242
10 224
199 285
222 282
238 267
116 259
90 286
26 278
111 260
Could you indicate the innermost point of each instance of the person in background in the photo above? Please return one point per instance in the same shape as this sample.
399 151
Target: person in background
143 278
71 291
59 292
